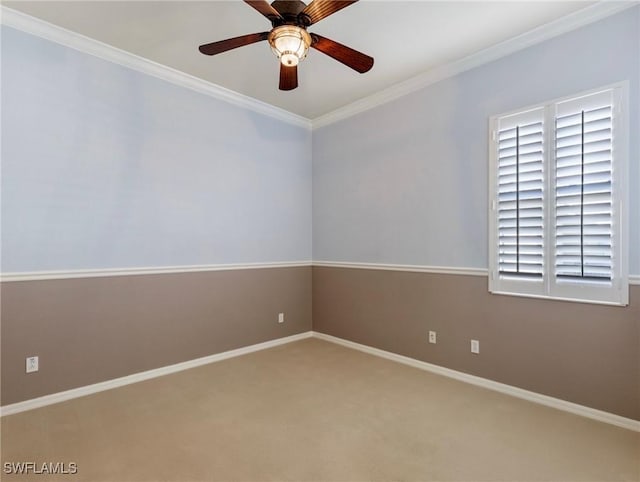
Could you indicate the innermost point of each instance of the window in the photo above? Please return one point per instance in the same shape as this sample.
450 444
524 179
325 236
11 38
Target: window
558 179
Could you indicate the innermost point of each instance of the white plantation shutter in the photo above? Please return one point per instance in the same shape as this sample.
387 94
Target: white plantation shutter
583 193
520 187
557 186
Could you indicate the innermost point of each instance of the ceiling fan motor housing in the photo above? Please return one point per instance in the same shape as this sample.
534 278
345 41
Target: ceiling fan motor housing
291 12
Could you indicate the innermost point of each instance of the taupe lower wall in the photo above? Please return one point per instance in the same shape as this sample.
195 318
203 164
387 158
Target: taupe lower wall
583 353
95 329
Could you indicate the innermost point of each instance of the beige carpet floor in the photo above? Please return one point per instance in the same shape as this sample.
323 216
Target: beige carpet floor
315 411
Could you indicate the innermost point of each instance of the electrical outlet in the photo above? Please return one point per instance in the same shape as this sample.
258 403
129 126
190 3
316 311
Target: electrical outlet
475 346
432 337
280 317
32 364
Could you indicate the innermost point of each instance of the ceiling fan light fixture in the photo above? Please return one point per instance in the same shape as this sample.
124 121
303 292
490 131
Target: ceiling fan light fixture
290 44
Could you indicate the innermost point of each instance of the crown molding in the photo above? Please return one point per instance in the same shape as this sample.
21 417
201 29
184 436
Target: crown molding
40 28
54 33
582 17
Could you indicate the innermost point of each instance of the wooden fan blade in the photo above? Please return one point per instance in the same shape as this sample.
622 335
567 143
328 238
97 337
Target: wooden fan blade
265 9
319 9
232 43
351 58
288 77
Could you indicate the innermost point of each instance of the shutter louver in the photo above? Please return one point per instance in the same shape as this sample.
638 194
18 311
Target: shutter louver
583 194
520 199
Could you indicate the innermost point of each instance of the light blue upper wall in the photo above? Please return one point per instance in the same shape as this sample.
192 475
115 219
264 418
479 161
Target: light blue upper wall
406 182
106 167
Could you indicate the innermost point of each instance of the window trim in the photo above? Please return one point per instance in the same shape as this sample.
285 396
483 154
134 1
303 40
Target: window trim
617 292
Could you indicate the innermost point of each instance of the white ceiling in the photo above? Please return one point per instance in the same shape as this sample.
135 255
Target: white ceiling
406 38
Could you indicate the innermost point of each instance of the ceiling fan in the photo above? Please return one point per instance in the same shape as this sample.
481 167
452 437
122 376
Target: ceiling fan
290 40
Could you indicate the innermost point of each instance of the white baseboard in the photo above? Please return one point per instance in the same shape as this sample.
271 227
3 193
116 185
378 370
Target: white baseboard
546 400
138 377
